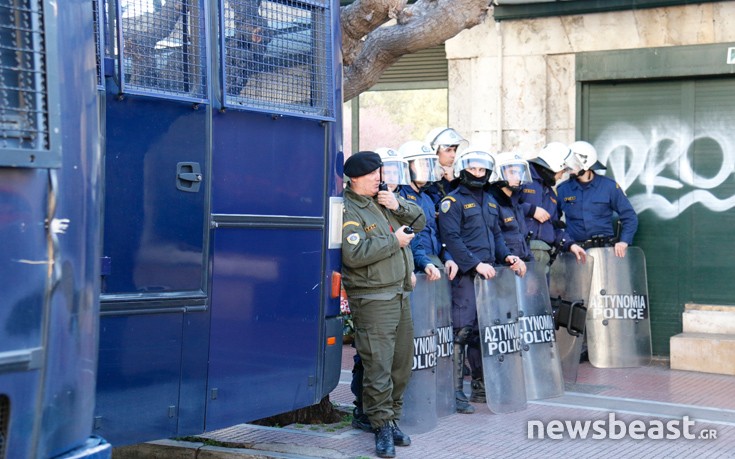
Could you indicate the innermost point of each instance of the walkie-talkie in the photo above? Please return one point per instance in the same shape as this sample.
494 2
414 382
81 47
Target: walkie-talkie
409 228
382 186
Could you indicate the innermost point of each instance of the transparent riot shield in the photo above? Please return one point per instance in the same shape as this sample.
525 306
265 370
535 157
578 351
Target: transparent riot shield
419 400
618 323
500 340
445 401
541 362
569 289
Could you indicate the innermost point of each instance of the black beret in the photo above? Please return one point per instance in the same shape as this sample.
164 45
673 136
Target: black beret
362 163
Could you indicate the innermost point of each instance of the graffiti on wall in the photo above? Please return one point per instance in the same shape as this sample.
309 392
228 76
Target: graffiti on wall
661 158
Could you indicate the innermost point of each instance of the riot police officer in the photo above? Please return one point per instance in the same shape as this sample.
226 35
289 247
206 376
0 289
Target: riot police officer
445 143
589 200
425 169
539 200
469 226
510 173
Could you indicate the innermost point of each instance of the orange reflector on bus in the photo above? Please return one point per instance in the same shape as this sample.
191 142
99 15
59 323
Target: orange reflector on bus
336 284
331 340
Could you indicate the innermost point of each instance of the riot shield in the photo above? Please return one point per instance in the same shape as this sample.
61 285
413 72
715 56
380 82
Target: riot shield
500 340
541 363
419 400
618 323
445 401
569 289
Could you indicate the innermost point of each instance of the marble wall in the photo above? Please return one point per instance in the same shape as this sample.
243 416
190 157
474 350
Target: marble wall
512 84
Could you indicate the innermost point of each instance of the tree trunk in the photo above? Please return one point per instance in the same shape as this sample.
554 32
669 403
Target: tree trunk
321 413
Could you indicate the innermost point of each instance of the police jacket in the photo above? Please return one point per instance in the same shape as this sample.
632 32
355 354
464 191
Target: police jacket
589 209
372 259
437 190
426 243
512 222
537 194
471 229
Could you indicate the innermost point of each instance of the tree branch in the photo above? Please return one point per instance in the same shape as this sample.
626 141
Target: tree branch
424 24
360 18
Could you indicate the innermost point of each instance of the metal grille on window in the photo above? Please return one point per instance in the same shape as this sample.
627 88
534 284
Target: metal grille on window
276 56
99 43
163 48
23 89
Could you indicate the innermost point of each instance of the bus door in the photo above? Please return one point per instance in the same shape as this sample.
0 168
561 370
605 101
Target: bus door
154 325
272 175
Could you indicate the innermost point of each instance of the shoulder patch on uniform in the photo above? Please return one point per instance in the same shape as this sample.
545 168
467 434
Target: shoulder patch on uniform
445 205
492 204
353 238
349 223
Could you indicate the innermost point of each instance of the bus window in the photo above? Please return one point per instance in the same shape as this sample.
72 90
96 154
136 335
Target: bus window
163 48
275 57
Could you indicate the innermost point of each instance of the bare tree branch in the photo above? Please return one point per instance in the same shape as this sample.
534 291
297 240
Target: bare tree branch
424 24
360 18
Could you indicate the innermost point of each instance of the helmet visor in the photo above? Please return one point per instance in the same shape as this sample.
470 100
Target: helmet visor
573 163
476 164
426 170
515 174
395 173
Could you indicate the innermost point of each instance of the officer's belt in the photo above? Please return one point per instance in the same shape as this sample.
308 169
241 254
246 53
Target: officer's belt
537 244
599 241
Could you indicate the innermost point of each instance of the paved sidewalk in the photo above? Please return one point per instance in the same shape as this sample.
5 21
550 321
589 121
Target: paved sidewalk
646 394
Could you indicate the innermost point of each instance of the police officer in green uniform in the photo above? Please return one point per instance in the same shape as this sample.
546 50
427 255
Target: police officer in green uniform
376 272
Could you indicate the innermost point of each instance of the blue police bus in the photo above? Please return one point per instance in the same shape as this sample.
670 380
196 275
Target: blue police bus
170 186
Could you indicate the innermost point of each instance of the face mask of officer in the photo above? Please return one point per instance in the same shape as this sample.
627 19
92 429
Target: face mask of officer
474 176
547 175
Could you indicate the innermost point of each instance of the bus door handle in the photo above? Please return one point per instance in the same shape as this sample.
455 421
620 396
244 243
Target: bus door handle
188 177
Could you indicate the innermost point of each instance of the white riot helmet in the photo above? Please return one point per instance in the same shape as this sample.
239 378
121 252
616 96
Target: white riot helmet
445 136
395 168
510 170
423 164
473 157
555 157
586 154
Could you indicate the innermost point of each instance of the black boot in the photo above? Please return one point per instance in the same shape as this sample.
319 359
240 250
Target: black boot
400 438
360 420
463 405
384 446
478 391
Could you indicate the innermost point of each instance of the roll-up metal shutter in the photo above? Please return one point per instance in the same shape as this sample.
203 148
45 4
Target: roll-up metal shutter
671 146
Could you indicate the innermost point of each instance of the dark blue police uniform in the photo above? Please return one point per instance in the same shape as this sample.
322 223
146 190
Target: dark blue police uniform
469 225
512 222
537 194
437 190
589 208
426 246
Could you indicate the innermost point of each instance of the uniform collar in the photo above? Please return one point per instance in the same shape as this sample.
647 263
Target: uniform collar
360 200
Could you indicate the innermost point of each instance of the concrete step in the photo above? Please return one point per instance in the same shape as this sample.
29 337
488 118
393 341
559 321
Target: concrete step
703 352
700 318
